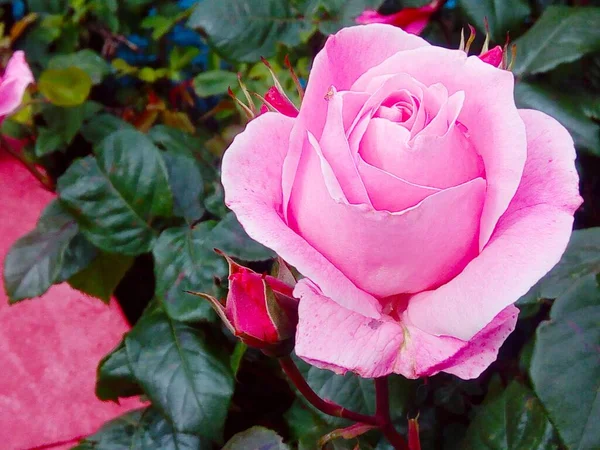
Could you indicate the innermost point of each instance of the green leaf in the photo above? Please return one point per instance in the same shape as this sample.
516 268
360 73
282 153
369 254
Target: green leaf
258 438
229 237
564 108
66 122
180 58
102 276
183 377
102 126
35 261
185 260
564 368
513 420
116 195
245 31
65 87
47 141
186 185
563 34
503 16
581 258
115 378
79 255
214 82
87 60
333 15
142 429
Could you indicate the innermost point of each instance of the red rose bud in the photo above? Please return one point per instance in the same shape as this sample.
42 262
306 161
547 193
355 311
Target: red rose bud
260 309
411 20
280 103
494 57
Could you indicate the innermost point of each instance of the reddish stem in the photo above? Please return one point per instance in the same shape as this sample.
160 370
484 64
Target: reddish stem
382 395
330 408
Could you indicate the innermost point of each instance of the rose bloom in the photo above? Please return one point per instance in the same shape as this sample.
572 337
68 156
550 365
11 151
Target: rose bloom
13 83
415 198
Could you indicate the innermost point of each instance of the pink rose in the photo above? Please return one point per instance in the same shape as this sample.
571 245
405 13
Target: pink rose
13 83
415 198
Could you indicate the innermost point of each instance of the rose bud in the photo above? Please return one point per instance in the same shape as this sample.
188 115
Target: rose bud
260 309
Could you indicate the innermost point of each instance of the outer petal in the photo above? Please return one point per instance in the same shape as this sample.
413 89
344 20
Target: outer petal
528 241
489 114
385 254
348 55
15 80
332 337
251 176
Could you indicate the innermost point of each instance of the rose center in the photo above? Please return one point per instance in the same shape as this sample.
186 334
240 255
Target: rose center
399 107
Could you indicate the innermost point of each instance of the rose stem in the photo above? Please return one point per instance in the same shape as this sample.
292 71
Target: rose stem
383 414
330 408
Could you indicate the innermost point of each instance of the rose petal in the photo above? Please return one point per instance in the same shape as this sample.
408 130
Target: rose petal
336 151
337 64
528 241
332 337
13 83
388 192
251 176
437 161
382 253
490 115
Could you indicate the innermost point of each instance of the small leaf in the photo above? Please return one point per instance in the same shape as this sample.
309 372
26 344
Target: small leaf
65 87
258 438
214 82
102 276
514 420
87 60
48 141
229 237
183 377
35 261
564 367
142 429
563 34
115 378
185 260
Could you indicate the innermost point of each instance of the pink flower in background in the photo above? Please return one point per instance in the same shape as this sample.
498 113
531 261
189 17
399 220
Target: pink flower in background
415 198
13 83
411 20
495 56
